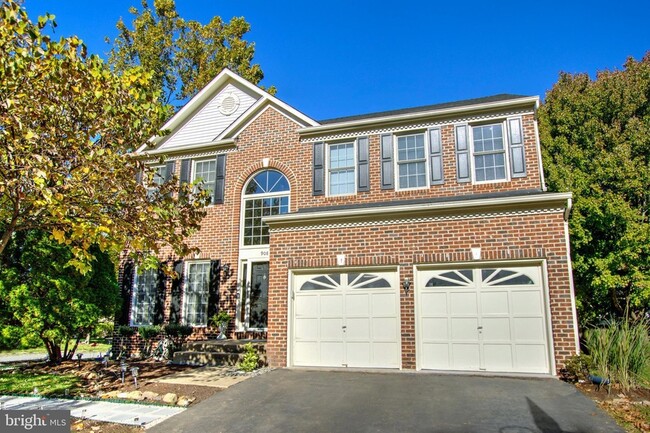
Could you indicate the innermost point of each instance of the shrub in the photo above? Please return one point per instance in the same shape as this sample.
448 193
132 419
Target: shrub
175 330
577 368
620 351
147 333
126 331
251 359
222 317
15 337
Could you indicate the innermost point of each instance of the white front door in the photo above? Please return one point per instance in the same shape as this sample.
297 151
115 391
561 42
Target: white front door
346 319
488 319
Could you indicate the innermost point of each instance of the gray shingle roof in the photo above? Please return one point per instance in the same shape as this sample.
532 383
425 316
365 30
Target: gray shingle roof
475 101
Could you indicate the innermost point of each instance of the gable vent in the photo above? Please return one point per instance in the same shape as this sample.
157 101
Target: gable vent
229 103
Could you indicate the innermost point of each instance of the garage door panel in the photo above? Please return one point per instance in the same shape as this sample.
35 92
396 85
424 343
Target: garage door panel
527 302
306 353
358 354
463 303
331 353
307 306
434 329
383 304
385 329
306 329
331 305
331 329
385 354
464 329
435 356
494 302
496 329
357 304
433 304
498 357
528 328
465 356
531 357
357 329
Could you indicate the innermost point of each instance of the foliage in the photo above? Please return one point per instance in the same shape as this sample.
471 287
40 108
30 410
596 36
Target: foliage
183 55
148 333
126 331
620 350
176 330
595 137
577 368
104 329
46 297
15 337
221 318
251 359
68 125
47 384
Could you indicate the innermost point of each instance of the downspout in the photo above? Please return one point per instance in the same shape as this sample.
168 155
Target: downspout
539 152
574 313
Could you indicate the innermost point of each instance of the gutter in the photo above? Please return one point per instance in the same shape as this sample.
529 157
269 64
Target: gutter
537 201
353 124
203 147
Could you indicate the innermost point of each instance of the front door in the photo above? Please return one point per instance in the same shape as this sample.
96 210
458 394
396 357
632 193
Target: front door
255 295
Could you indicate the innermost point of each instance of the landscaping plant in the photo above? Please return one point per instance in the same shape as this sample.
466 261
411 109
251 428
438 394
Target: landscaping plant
620 350
251 358
148 333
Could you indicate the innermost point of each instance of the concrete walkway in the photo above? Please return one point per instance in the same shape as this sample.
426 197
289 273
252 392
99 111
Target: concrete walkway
43 357
123 413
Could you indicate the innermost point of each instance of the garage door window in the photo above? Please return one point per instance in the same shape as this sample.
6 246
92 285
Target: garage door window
461 278
502 277
355 281
323 282
367 281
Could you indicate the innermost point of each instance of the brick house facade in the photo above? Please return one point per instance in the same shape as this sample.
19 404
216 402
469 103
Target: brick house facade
414 239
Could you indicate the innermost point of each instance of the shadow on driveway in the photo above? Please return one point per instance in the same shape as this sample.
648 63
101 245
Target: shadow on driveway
326 401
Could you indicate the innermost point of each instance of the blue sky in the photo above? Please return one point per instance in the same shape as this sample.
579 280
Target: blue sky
338 58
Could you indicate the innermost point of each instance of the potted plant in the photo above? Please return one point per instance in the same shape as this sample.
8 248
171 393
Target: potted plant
221 320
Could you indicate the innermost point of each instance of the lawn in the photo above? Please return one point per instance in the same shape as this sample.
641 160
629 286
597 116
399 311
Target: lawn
90 349
17 382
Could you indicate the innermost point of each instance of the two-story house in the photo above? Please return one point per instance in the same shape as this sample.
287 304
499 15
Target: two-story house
420 238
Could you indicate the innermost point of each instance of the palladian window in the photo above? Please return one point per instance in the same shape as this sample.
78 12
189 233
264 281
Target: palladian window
266 194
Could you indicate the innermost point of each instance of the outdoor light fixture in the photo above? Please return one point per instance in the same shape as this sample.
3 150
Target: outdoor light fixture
79 355
134 373
406 284
123 368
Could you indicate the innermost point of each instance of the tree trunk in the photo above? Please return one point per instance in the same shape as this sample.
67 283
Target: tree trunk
53 351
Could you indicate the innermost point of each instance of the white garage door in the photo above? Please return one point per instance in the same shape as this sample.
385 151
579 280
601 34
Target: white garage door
489 319
346 319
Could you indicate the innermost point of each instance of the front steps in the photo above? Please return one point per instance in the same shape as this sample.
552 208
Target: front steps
216 352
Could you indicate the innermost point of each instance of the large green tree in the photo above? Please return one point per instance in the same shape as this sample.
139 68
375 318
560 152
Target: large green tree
595 136
184 55
46 297
67 125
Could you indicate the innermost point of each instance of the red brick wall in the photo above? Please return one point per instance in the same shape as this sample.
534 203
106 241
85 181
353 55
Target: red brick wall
512 237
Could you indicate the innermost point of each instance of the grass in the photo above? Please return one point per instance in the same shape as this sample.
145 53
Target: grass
82 348
47 384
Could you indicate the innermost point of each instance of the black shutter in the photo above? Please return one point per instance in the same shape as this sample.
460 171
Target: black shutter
169 170
387 181
122 317
319 169
186 167
220 182
213 289
462 154
363 183
177 285
138 176
435 148
517 155
159 308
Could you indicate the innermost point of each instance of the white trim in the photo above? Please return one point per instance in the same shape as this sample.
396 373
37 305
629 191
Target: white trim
194 178
539 263
538 149
207 92
396 162
186 275
134 288
416 116
218 146
574 312
355 166
516 201
506 150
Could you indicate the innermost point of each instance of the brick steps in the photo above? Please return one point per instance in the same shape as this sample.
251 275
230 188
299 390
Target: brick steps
216 352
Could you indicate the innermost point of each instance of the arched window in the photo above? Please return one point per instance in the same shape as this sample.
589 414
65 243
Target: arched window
265 194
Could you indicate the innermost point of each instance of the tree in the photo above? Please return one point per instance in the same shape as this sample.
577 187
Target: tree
595 138
47 297
184 56
67 125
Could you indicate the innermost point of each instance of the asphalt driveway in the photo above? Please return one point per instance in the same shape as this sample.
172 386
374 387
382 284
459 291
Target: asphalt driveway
324 401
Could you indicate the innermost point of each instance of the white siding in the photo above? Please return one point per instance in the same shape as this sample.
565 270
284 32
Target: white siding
206 124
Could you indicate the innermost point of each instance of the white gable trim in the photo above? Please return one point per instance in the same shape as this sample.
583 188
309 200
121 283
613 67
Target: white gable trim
238 126
208 91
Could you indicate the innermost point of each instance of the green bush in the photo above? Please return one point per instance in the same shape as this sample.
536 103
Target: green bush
175 330
148 332
250 361
104 329
577 368
620 350
126 331
15 337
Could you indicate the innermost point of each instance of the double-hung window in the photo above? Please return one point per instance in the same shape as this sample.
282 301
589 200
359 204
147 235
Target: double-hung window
206 171
144 297
159 176
341 169
489 152
195 301
411 161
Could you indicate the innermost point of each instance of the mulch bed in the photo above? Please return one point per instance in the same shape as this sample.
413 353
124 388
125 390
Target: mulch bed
630 409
